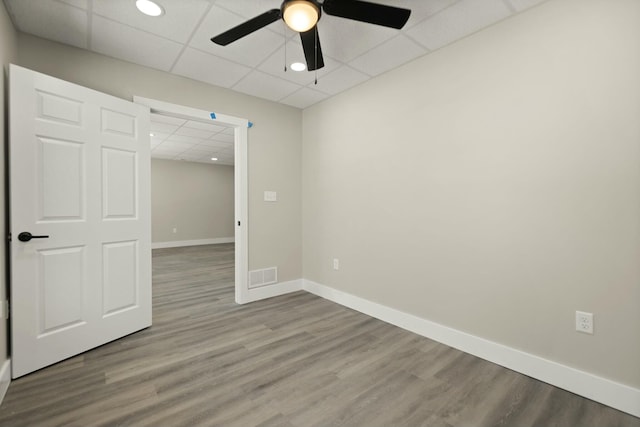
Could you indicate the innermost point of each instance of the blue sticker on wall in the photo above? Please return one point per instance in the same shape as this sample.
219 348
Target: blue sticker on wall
213 116
250 125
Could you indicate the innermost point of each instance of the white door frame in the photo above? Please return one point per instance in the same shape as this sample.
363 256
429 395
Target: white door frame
241 190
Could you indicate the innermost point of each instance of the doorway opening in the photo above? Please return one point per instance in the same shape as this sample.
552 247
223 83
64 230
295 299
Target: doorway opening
233 132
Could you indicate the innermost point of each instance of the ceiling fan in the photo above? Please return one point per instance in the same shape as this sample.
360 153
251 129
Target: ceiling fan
302 16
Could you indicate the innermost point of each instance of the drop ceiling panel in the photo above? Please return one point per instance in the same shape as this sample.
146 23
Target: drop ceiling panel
344 39
182 139
176 23
266 86
521 5
249 8
209 68
458 21
157 138
77 3
304 98
250 50
175 146
123 42
50 20
398 50
195 133
339 80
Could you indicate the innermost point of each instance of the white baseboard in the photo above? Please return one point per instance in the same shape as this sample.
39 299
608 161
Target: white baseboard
179 243
5 378
274 290
610 393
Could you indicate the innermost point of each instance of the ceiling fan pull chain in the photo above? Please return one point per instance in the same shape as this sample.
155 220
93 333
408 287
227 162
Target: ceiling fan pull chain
316 54
284 33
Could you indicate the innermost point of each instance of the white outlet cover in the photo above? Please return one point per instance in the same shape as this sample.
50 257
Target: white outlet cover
584 322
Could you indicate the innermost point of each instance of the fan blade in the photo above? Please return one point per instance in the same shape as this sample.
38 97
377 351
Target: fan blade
364 11
247 28
310 41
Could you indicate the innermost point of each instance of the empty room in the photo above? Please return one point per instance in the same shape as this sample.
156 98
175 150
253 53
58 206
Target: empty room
320 212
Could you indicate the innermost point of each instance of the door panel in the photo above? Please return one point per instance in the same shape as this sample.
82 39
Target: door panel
119 174
61 180
60 300
120 281
79 174
58 108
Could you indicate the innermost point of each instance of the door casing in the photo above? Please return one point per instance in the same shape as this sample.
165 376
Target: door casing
240 126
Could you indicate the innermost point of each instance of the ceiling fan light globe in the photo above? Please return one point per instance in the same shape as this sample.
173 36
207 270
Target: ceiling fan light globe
300 15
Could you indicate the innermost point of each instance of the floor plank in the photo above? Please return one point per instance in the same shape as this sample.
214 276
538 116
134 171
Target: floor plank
295 360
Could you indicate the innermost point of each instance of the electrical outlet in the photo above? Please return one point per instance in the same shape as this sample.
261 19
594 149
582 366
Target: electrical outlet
336 264
584 322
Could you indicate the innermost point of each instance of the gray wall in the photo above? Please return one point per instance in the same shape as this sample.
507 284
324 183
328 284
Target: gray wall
493 186
274 140
8 43
195 198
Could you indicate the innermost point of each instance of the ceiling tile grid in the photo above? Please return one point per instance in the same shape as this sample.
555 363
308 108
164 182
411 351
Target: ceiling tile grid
177 139
177 23
179 42
114 39
210 69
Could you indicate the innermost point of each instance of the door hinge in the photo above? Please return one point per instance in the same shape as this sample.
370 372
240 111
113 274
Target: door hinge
238 223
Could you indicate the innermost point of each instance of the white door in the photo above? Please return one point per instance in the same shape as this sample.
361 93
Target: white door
79 174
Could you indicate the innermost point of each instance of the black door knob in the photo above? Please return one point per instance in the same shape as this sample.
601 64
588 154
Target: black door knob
25 236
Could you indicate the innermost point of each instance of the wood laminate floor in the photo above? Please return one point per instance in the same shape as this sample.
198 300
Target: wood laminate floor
295 360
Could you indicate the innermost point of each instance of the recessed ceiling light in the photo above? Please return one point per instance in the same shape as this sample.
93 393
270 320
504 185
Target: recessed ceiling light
149 8
298 66
151 134
214 158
